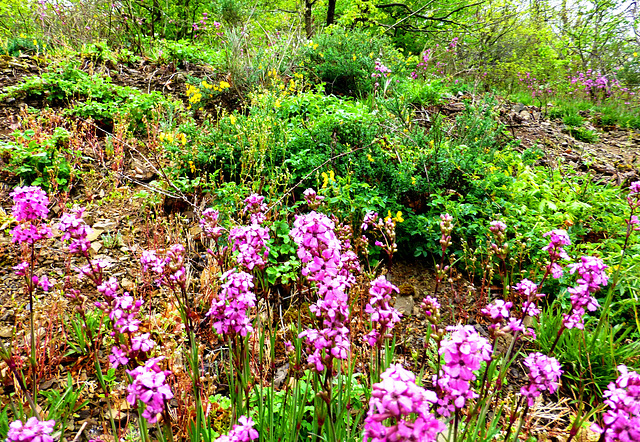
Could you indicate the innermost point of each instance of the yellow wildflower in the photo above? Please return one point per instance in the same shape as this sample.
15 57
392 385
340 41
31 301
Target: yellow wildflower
398 218
182 137
369 157
233 119
192 167
325 179
224 85
413 180
331 175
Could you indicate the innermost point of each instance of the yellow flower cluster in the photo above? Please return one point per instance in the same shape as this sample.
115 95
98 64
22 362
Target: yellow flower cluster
194 94
327 178
170 138
396 219
223 85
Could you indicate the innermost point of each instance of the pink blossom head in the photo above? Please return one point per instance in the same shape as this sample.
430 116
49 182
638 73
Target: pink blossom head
312 198
498 310
31 431
544 375
30 204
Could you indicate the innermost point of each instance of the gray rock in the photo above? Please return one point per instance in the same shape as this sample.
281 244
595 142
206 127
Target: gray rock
404 305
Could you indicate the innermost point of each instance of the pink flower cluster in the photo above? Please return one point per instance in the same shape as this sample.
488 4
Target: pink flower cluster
251 244
383 316
592 277
462 353
255 206
634 203
75 230
30 204
319 249
594 83
622 419
498 229
31 431
383 228
170 269
634 195
149 385
235 298
244 432
381 70
395 399
497 311
209 224
30 210
559 238
123 312
423 65
312 198
544 375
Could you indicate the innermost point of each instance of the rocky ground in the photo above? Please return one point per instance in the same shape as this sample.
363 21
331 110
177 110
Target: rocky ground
121 226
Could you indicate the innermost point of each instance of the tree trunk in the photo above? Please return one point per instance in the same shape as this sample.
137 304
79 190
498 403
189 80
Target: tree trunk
308 17
331 12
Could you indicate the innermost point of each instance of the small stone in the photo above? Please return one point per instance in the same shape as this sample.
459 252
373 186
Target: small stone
95 234
404 305
96 246
127 284
6 332
108 225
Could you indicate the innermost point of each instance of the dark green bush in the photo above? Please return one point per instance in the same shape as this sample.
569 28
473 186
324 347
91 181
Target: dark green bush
345 59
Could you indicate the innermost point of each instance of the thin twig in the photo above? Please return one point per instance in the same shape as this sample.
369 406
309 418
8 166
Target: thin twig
75 439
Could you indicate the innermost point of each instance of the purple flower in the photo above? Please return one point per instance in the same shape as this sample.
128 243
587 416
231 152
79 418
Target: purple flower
622 420
497 311
235 298
28 233
75 231
148 385
321 250
383 316
109 288
244 432
209 223
21 269
118 357
251 244
31 431
544 375
142 343
430 306
254 204
463 353
497 226
170 270
312 198
592 277
44 283
558 239
395 399
30 204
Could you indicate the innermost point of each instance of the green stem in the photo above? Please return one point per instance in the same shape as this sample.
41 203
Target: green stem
31 288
